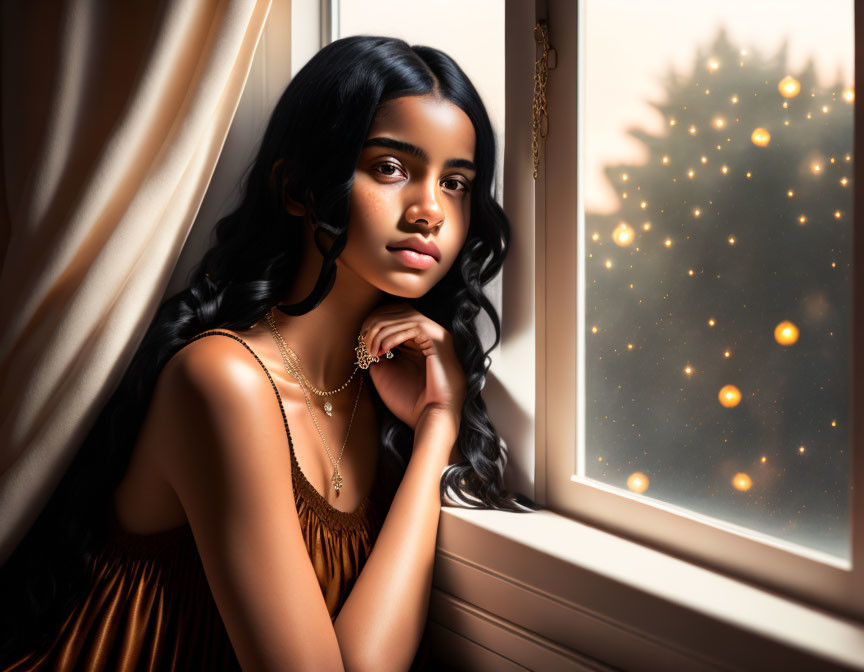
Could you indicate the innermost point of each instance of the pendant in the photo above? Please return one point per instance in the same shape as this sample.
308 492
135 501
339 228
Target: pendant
328 408
336 480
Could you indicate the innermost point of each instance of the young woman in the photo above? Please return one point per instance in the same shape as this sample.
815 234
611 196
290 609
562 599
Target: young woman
263 489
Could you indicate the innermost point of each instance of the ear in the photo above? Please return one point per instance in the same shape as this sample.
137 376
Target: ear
291 206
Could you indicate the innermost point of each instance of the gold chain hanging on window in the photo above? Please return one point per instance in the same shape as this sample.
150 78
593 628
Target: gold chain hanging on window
540 120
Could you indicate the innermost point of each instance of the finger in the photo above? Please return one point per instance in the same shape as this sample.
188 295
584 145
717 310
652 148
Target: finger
377 319
388 311
400 335
384 331
372 337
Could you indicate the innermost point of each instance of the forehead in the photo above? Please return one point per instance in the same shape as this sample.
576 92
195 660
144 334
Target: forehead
434 124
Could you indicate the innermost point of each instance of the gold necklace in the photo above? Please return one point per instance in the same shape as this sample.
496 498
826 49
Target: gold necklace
336 478
328 406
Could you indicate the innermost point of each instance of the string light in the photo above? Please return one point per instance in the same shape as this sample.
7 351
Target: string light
637 482
729 396
786 333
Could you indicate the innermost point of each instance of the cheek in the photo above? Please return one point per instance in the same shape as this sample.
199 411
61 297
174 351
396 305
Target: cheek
370 215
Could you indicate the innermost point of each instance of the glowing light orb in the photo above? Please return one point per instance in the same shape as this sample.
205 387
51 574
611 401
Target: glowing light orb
760 137
786 333
667 242
637 482
724 170
647 226
727 354
801 449
608 263
688 369
692 130
697 212
595 236
643 205
816 168
623 234
624 177
731 240
837 214
742 482
719 122
849 94
763 460
711 322
833 423
802 219
594 330
729 396
789 87
790 193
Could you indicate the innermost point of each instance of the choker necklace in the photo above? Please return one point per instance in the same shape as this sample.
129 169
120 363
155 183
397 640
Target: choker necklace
328 406
336 477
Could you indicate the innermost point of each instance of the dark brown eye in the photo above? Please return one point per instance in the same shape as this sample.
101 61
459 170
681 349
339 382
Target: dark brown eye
388 169
453 184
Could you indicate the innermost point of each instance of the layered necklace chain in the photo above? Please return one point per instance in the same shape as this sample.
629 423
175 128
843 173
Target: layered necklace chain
292 366
295 358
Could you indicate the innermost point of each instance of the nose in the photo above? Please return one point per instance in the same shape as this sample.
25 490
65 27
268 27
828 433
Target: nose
426 210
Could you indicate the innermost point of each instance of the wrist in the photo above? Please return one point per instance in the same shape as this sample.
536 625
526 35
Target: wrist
437 426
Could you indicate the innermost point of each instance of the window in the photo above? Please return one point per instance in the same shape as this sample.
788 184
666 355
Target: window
700 321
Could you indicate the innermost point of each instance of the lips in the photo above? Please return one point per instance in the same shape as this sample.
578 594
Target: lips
412 258
418 245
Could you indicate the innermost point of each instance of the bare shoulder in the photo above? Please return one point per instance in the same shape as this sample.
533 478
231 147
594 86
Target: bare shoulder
215 366
218 399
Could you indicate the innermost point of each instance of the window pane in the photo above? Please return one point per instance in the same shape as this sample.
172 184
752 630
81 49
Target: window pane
717 240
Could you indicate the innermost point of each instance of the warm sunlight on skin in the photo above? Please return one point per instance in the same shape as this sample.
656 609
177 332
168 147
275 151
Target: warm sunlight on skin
399 194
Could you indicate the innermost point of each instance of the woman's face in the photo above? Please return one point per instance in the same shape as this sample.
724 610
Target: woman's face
412 184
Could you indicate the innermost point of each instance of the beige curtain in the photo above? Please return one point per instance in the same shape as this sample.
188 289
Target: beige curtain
113 118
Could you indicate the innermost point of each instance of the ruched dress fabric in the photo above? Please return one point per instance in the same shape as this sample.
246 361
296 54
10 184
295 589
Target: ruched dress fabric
150 606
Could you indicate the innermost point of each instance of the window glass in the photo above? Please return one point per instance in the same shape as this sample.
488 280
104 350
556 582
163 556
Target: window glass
715 263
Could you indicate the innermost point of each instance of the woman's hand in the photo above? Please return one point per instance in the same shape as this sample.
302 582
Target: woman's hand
424 373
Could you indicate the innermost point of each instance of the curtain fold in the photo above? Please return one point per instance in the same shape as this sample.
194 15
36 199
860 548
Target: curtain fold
113 118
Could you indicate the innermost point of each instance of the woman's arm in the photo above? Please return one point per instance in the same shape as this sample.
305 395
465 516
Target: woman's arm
381 623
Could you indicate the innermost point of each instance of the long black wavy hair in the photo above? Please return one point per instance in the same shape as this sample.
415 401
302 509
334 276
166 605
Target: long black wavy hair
309 152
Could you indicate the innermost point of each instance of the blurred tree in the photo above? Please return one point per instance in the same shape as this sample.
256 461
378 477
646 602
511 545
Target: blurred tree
740 220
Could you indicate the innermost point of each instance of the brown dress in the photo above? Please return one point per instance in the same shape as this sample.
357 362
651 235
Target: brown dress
149 606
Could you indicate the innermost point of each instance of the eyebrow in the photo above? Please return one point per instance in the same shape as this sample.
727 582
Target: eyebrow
416 152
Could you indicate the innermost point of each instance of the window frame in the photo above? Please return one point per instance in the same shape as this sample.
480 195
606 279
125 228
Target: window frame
808 575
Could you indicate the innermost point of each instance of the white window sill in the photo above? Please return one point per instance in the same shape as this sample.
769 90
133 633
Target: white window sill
542 591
